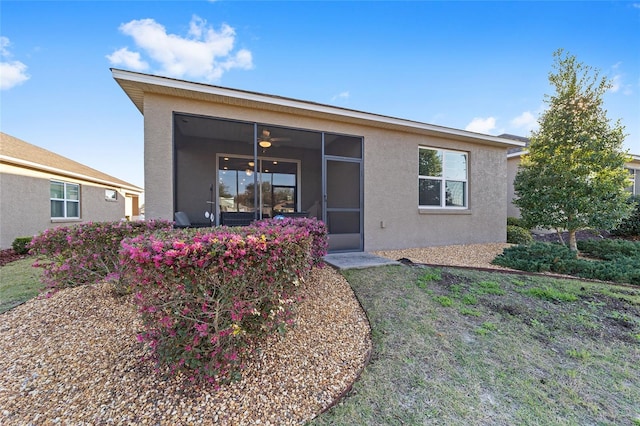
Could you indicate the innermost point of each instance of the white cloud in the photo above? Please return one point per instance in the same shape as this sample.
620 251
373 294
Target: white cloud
12 73
128 59
525 121
4 43
343 95
203 53
481 125
616 83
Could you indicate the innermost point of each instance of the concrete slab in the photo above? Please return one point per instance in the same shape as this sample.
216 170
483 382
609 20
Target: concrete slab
357 260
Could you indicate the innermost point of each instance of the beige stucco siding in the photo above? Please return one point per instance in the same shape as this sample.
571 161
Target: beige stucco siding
25 208
158 158
512 169
390 176
391 195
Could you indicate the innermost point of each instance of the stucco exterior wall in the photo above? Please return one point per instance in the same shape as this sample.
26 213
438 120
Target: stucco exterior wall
390 176
512 170
392 217
25 209
158 158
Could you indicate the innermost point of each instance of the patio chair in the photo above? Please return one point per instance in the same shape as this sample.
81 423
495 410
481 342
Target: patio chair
182 220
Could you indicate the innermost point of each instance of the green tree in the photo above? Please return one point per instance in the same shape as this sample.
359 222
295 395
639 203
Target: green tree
573 177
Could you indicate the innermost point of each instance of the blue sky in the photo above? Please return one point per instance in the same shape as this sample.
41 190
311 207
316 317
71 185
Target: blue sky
481 66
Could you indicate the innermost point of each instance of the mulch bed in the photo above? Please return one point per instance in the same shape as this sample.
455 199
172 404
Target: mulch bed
8 256
552 237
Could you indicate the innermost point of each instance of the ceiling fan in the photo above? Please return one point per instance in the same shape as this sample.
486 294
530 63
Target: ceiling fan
265 140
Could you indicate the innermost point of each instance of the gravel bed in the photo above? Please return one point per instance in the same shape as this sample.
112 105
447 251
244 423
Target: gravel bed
471 255
73 359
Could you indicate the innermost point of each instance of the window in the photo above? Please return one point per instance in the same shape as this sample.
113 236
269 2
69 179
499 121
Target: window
110 195
65 200
277 185
442 180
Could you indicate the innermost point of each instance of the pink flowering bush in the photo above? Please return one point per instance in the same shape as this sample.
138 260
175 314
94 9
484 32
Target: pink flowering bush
205 298
85 253
316 228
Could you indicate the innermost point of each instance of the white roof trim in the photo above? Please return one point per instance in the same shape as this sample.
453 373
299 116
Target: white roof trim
302 105
517 154
62 172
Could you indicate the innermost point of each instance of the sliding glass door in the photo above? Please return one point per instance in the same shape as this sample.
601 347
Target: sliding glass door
267 187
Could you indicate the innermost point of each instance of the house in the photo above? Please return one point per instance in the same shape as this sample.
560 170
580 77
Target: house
40 189
219 154
513 163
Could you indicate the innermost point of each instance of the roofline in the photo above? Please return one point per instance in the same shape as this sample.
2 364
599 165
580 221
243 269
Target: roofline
62 172
312 107
516 154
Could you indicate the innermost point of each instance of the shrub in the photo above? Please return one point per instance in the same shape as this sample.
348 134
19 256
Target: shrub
610 249
85 253
21 245
630 227
517 221
537 257
206 297
518 235
316 228
619 265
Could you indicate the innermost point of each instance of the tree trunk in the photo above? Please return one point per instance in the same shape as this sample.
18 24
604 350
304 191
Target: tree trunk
573 244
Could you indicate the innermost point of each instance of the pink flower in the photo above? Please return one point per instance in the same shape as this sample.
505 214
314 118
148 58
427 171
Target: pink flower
157 246
202 329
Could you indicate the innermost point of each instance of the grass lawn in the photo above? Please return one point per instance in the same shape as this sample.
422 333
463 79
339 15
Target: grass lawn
471 348
19 282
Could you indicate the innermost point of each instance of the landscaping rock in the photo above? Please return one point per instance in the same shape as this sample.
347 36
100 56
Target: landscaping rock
74 359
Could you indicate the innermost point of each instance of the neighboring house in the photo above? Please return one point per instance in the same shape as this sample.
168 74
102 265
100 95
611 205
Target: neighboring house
378 182
40 189
513 163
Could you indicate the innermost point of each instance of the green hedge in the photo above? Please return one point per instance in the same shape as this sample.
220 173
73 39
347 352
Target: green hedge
630 227
518 235
517 221
620 260
21 245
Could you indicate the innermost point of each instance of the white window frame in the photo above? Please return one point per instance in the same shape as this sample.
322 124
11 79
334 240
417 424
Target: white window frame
65 200
111 195
443 180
